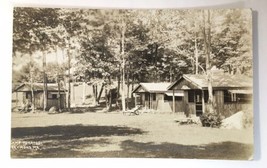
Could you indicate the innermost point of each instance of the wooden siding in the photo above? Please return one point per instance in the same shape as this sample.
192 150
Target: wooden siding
39 100
219 101
161 105
227 108
179 106
224 108
54 102
17 99
231 108
189 108
182 83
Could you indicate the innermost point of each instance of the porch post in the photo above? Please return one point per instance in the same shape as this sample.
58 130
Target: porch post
135 99
203 101
150 101
16 99
173 101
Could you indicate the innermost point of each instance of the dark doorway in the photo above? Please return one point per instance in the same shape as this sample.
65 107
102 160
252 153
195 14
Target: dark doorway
198 100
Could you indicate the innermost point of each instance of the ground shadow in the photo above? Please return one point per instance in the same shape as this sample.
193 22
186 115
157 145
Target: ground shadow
75 110
79 140
63 140
62 132
224 150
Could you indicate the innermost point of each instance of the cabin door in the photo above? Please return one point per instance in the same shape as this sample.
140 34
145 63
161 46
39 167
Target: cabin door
198 100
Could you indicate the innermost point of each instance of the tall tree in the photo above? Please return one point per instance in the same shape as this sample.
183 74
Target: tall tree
31 33
207 44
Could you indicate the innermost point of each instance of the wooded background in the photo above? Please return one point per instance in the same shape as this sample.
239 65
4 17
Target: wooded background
113 47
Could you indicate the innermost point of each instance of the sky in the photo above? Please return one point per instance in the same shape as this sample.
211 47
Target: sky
53 57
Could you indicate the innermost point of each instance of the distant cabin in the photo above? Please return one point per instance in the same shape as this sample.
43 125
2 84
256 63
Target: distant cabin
156 96
23 94
231 93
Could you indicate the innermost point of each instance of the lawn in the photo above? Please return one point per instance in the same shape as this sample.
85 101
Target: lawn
88 134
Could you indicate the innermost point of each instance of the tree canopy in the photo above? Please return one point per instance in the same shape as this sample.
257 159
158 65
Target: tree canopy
141 45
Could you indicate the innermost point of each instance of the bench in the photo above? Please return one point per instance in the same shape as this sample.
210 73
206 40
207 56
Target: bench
134 111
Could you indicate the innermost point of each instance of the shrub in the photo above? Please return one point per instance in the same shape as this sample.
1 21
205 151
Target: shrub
211 120
248 118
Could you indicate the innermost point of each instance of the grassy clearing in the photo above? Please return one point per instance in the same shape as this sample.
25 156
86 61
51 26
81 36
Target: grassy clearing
117 135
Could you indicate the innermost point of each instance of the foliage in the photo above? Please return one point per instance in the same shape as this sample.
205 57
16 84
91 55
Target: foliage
211 120
23 75
159 44
141 45
248 118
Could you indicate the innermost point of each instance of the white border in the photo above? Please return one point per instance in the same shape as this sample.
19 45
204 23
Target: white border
260 68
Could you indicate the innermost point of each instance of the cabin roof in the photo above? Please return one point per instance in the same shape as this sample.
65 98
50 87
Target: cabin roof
25 87
152 87
218 81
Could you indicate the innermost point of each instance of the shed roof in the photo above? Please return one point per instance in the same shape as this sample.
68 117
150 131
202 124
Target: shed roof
218 81
37 87
152 87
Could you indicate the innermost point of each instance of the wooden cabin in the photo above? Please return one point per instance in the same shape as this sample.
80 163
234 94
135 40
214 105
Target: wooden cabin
156 96
231 93
52 95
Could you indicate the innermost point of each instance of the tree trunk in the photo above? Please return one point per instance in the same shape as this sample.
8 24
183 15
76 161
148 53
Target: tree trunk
123 29
100 93
69 101
207 43
171 74
64 81
128 86
118 89
196 54
132 85
156 76
110 99
84 92
108 96
94 93
107 99
31 80
45 81
58 93
58 85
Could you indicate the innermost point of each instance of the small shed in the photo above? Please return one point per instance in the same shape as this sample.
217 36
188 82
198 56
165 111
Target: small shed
231 93
38 91
156 96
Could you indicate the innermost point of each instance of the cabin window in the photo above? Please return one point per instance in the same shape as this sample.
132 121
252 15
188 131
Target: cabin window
229 97
191 96
52 96
169 98
28 95
244 98
153 96
138 99
147 96
206 96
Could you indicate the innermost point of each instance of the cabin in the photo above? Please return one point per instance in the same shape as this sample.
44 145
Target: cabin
231 93
24 90
156 96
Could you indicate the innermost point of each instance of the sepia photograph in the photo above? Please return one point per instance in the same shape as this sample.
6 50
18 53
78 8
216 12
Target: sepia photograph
132 83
